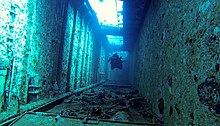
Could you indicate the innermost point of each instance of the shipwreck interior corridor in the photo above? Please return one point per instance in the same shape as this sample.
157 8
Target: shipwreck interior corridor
109 62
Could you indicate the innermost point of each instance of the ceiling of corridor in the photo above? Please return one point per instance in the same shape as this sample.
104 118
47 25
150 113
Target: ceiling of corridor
132 17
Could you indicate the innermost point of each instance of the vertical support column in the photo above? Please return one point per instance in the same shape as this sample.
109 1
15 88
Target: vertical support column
64 45
96 57
79 53
90 53
84 53
76 41
83 48
32 10
102 63
86 70
70 85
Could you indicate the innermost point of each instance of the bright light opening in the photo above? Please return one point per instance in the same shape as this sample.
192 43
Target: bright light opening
109 12
115 40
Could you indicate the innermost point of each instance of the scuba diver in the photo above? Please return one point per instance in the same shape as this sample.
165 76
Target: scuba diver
116 61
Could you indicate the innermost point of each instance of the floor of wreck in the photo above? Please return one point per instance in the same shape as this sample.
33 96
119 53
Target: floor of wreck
116 104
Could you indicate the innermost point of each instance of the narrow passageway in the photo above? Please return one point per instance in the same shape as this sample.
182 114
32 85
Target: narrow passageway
114 103
111 105
109 62
117 104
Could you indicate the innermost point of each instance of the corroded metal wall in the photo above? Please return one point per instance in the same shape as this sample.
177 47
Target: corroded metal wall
178 50
46 49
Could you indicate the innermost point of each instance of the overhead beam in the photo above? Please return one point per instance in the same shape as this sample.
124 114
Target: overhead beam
110 30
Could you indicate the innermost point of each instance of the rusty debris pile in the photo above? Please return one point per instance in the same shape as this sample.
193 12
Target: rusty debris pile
112 103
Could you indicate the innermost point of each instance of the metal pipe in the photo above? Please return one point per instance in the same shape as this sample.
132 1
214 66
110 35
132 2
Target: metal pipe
11 79
11 71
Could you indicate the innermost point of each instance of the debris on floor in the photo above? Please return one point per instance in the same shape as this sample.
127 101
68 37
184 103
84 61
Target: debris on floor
112 103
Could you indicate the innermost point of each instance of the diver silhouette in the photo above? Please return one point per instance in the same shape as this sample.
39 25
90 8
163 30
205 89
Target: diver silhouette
116 61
